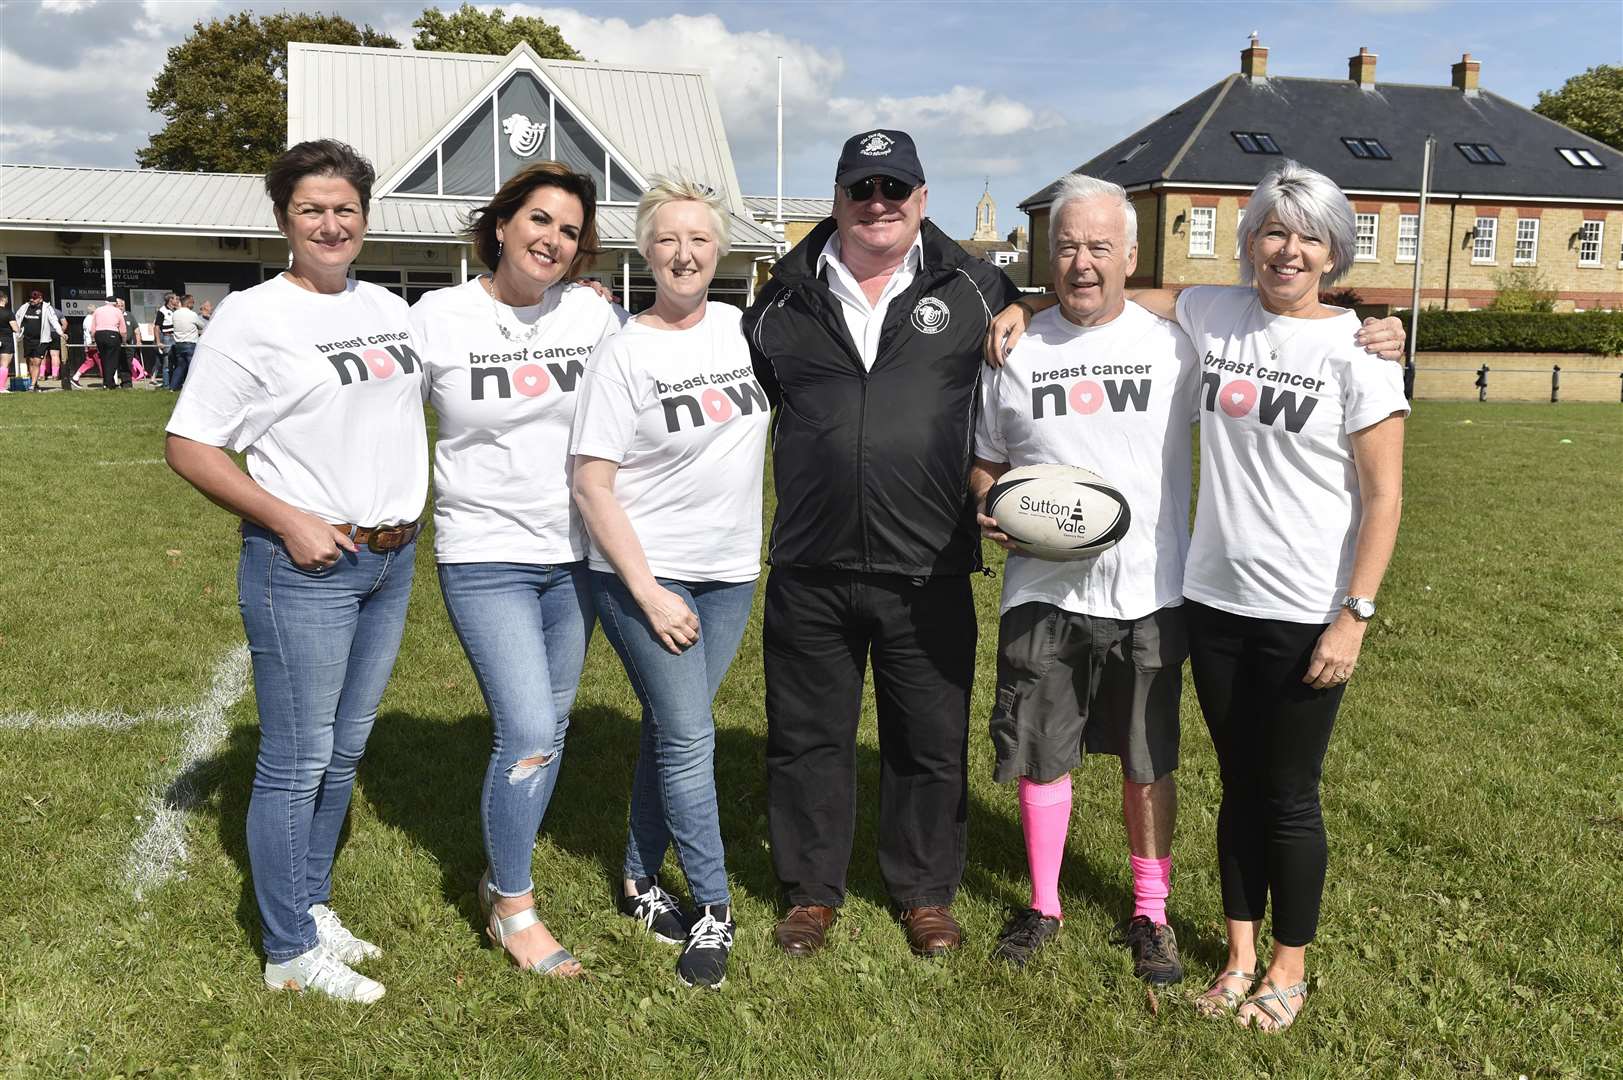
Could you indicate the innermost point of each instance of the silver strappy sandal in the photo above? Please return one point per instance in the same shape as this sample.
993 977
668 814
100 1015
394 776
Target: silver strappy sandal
1275 1004
1219 1000
499 930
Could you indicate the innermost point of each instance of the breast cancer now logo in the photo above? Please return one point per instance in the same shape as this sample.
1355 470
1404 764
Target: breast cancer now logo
713 405
1087 396
373 363
1239 398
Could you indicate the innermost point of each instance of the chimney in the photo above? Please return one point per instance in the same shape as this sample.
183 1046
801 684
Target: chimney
1466 73
1361 68
1254 60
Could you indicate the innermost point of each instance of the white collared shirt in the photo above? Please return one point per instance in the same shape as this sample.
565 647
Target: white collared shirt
863 319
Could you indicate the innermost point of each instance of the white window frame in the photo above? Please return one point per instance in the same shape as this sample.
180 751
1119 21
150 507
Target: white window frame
1208 232
1486 239
1374 250
1239 231
1527 237
1584 241
1408 230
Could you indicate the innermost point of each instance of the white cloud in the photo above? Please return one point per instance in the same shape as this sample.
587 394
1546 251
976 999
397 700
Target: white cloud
65 7
173 20
965 110
24 138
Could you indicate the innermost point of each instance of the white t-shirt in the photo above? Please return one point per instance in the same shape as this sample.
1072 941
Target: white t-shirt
501 462
1118 398
324 393
865 321
1277 520
189 324
681 412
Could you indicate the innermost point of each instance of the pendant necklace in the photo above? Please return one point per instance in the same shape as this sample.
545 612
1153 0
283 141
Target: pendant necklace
1273 345
496 309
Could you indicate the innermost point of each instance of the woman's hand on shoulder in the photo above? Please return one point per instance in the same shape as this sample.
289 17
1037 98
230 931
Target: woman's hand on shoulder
673 622
1005 330
1383 338
599 288
313 544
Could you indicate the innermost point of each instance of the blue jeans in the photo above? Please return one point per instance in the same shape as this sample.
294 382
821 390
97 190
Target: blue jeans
180 362
524 628
673 796
323 645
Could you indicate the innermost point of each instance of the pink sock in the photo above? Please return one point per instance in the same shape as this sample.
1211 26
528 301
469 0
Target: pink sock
1152 884
1045 817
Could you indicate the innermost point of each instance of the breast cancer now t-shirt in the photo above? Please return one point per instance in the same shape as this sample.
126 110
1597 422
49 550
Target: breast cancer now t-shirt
505 407
681 412
322 391
1276 524
1117 398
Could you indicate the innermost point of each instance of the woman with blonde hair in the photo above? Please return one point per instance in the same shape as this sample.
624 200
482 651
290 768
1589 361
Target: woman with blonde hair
669 447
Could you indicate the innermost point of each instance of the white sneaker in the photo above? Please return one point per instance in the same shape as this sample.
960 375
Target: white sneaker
320 970
338 940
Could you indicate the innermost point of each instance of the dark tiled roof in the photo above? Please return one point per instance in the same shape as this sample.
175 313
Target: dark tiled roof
1309 117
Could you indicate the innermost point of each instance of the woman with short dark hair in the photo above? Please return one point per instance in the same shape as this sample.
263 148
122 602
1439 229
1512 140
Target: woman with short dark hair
315 377
503 355
40 329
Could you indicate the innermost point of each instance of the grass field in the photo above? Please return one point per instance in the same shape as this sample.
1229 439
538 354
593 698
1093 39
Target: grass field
1473 924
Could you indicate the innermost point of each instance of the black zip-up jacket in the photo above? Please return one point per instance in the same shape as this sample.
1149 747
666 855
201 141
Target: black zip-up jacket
872 467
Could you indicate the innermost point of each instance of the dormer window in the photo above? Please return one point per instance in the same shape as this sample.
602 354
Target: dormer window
1366 148
1479 153
1579 158
1256 142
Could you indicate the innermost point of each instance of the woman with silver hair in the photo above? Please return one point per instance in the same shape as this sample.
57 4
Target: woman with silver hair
669 445
1301 479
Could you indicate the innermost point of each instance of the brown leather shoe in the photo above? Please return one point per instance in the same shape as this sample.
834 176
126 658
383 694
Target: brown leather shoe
932 931
804 930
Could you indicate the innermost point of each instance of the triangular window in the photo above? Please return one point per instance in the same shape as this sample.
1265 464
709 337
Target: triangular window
515 127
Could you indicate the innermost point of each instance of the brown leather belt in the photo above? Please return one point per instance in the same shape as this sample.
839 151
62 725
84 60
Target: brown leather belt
382 538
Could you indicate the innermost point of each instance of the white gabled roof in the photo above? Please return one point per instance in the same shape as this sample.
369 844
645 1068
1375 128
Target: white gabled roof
383 102
387 103
52 197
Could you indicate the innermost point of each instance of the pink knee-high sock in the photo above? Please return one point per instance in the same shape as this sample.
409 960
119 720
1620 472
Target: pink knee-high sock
1045 817
1152 884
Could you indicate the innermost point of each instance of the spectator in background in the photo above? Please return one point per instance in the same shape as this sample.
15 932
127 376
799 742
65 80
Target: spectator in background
163 323
206 312
188 329
109 329
42 333
8 335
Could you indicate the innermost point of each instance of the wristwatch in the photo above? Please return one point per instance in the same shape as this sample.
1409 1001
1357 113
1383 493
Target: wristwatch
1362 608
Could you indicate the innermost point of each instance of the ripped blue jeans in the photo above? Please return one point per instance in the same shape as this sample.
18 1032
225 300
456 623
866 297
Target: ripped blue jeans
524 628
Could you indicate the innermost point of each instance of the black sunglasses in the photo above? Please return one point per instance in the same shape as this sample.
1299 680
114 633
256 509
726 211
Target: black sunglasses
893 189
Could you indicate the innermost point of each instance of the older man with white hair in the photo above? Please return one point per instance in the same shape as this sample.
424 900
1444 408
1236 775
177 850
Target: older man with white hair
1090 653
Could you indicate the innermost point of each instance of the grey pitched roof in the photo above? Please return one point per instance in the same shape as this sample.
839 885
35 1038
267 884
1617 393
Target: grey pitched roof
1308 118
235 204
765 207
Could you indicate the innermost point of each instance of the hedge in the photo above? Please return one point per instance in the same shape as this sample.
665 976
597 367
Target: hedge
1596 332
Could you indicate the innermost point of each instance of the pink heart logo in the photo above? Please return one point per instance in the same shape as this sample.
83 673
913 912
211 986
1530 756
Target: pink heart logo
716 406
1238 397
1087 396
531 380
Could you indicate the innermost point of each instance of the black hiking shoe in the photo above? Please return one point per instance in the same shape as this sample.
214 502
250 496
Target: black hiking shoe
1154 948
1026 931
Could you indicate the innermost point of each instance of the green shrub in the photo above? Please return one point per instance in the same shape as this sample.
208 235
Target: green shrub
1595 332
1522 290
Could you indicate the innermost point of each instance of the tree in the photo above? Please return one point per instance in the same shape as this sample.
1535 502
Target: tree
1522 290
223 91
471 31
1591 103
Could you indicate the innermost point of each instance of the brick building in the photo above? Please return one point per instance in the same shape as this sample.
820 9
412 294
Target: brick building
1509 188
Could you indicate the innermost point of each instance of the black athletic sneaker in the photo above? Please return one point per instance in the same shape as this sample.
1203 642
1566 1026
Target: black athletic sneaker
704 958
1154 948
657 910
1026 931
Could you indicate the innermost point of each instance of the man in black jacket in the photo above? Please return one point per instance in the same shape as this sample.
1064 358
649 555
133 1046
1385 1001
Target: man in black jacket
868 341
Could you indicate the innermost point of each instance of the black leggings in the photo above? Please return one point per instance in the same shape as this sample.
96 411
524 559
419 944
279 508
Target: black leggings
1270 730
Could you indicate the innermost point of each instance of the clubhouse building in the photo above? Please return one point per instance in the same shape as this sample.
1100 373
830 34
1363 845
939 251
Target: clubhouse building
443 130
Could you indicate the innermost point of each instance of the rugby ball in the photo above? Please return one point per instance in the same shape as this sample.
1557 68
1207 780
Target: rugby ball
1058 512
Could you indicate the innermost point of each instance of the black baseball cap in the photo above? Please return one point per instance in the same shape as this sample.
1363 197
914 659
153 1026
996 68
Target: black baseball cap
879 152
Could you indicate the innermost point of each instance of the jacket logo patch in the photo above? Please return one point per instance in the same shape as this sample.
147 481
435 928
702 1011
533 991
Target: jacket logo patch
931 316
877 145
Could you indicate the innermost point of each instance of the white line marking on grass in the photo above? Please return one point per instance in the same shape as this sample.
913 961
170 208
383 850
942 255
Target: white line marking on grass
137 461
157 854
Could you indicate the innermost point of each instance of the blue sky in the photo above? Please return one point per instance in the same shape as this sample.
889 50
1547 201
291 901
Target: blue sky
1013 91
